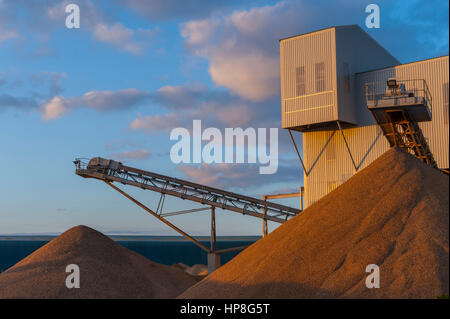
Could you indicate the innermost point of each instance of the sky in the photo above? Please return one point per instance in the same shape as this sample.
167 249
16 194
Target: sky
135 70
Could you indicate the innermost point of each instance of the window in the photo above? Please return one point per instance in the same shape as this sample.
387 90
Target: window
320 77
300 80
445 96
346 78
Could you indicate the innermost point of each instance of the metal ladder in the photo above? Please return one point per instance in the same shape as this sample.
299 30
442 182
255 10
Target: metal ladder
401 131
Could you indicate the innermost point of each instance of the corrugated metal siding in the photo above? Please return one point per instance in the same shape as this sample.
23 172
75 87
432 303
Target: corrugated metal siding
313 107
435 73
367 142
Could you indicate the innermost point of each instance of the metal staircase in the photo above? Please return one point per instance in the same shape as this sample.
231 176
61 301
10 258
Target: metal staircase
397 107
402 132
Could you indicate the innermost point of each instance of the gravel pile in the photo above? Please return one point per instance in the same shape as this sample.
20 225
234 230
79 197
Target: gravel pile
107 270
394 214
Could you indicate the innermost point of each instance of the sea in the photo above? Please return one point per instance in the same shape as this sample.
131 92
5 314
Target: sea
166 250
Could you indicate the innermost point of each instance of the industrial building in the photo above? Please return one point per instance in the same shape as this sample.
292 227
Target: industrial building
326 77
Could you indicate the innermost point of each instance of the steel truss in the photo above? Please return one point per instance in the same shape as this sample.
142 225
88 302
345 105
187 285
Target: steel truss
205 195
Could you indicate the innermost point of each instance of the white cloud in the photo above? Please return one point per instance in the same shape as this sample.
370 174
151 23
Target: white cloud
98 100
180 96
216 108
235 115
103 28
132 155
199 31
236 175
55 108
242 49
7 34
156 123
253 75
118 36
156 10
110 100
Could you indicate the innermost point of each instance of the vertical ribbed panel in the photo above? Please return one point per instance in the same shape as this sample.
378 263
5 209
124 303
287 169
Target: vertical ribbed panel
330 171
435 73
312 107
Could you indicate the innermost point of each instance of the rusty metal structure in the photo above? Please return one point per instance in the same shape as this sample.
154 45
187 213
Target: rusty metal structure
397 107
110 171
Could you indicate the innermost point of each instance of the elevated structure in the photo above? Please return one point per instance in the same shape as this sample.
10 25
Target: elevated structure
398 110
333 94
316 76
110 171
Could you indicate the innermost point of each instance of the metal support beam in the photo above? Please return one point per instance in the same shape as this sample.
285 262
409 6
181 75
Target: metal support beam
187 211
300 194
346 145
227 250
278 196
213 228
298 153
160 218
265 229
213 262
308 171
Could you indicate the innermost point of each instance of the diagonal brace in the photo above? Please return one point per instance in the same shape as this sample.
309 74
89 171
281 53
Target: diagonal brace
160 218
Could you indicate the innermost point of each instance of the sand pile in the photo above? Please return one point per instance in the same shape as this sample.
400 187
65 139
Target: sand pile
107 270
394 214
197 270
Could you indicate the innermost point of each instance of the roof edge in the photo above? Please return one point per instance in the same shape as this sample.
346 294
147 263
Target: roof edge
319 30
402 64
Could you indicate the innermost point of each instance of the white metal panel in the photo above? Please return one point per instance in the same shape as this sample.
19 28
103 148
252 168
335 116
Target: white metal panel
435 73
306 51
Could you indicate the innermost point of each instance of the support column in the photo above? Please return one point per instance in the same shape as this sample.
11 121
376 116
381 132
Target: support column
213 257
213 229
265 228
213 262
302 190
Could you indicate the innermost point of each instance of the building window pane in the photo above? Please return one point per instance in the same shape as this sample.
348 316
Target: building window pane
320 77
445 89
346 78
300 81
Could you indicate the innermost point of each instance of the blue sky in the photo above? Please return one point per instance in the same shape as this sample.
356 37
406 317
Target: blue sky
137 69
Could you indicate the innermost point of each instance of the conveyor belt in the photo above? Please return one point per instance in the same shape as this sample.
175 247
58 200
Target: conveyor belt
192 191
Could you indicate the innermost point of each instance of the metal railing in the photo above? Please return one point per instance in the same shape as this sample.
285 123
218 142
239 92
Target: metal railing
415 90
81 163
